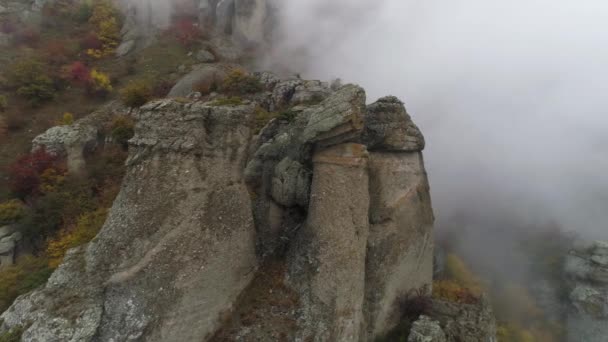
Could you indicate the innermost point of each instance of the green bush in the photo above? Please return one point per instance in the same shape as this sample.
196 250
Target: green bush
28 274
136 93
239 82
122 129
30 78
11 212
13 335
227 101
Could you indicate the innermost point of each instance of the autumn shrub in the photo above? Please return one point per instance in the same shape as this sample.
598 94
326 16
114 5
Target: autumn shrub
11 211
239 82
58 208
122 129
83 13
77 73
28 274
66 119
25 173
162 88
136 93
85 229
30 78
105 19
262 118
99 83
206 86
106 166
185 31
451 291
57 52
458 271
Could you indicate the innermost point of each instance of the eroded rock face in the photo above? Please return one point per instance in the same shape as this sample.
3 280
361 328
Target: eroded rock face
426 330
10 240
344 216
465 322
587 272
158 269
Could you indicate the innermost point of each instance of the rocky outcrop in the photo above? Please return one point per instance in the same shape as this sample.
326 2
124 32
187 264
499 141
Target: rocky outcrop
10 240
587 274
465 322
74 141
426 330
329 193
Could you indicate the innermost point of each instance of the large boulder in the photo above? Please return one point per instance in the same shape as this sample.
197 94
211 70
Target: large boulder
205 74
465 322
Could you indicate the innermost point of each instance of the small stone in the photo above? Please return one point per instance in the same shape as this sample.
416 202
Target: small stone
204 56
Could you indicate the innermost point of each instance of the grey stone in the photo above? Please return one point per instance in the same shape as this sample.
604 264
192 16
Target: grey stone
337 119
426 330
71 141
291 183
207 74
204 56
6 231
3 9
388 127
465 322
125 48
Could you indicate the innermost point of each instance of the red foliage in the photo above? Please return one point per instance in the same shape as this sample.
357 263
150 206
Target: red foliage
25 172
91 41
185 31
28 36
56 52
78 73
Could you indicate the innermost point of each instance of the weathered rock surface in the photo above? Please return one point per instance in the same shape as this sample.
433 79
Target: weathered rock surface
347 224
426 330
204 74
158 269
10 239
400 245
328 264
465 322
74 141
587 273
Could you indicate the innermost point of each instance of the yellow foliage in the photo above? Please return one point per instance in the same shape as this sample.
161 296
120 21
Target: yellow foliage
452 291
67 119
86 228
51 180
458 271
100 81
11 211
105 21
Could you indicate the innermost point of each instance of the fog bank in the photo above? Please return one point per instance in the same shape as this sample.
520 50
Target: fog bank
510 95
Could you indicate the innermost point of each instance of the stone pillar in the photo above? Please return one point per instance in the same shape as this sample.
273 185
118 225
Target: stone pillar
9 243
400 245
336 234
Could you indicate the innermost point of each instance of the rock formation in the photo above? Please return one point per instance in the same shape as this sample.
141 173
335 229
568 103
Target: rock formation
10 240
325 212
587 273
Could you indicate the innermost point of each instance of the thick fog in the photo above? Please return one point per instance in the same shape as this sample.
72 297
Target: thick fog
512 96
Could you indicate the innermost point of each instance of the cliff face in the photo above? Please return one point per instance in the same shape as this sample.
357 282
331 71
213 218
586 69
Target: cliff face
309 230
